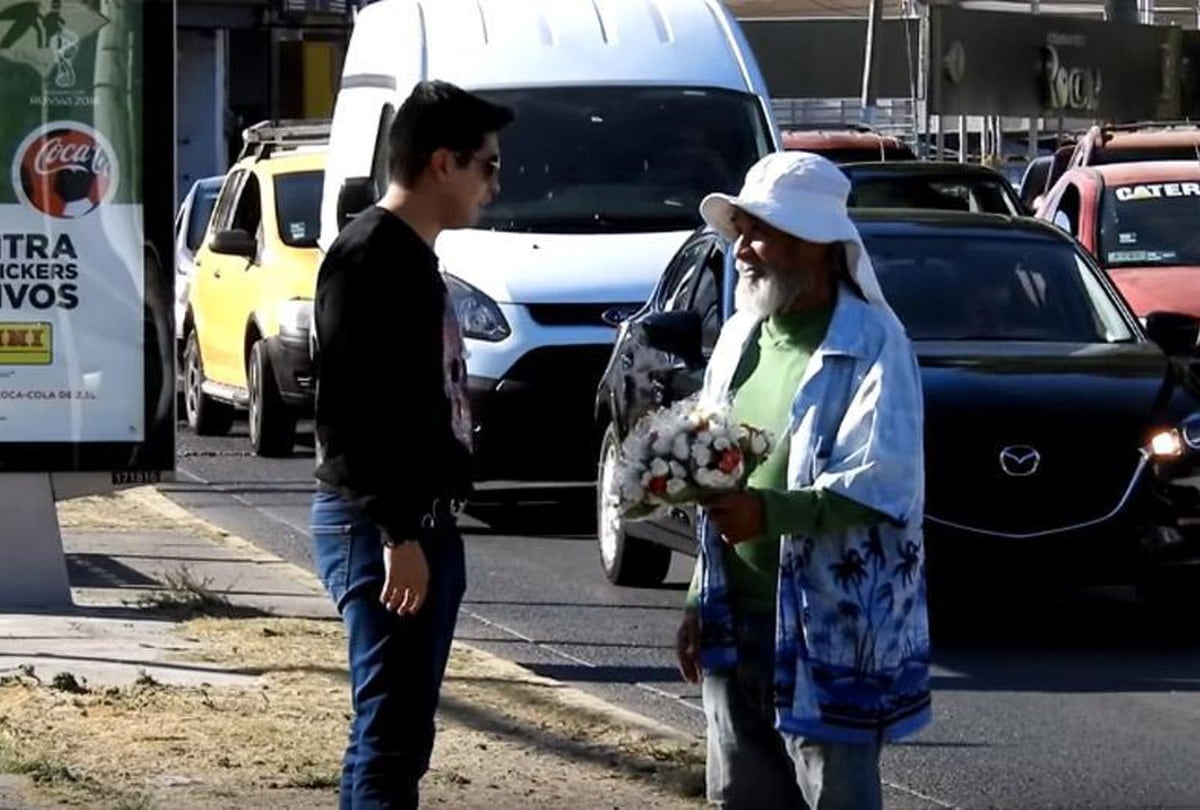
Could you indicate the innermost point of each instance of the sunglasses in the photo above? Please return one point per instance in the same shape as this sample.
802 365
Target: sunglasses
490 165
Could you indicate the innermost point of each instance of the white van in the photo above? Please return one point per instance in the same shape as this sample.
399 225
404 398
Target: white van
628 113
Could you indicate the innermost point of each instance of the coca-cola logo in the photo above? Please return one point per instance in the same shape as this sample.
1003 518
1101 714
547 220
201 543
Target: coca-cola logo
65 170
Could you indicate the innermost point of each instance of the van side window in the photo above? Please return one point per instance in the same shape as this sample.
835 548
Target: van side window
379 164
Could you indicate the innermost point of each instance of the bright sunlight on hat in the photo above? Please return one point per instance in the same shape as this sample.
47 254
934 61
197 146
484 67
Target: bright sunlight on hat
800 193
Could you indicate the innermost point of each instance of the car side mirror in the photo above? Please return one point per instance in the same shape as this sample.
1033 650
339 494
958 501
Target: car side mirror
1174 332
678 333
356 195
235 242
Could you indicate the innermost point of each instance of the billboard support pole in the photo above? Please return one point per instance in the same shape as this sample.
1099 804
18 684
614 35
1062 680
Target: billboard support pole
33 568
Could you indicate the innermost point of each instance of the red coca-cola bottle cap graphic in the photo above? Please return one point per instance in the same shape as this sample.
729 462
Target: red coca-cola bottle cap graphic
65 169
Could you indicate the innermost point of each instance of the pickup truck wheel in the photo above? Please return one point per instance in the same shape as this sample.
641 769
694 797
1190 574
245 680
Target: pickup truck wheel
272 423
205 415
626 559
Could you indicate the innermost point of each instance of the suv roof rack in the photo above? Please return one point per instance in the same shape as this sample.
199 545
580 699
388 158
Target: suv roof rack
263 138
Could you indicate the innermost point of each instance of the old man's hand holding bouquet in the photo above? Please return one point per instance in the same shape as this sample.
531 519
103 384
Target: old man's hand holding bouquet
689 453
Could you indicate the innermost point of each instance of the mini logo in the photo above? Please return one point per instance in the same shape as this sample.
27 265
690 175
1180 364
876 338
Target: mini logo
65 170
617 315
1019 460
25 344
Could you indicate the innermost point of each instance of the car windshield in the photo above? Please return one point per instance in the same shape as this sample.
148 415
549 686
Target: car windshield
202 206
620 159
947 287
298 207
1150 224
980 194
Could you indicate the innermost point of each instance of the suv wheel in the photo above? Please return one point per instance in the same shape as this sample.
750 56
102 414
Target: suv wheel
205 415
272 424
627 560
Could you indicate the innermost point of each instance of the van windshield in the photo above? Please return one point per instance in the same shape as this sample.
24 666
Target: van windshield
620 159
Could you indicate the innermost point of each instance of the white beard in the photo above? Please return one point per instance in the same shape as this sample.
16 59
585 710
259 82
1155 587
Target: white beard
770 293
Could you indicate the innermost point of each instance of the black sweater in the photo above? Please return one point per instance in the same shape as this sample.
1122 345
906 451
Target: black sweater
384 435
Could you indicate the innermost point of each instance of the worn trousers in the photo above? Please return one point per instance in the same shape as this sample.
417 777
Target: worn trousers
396 663
752 765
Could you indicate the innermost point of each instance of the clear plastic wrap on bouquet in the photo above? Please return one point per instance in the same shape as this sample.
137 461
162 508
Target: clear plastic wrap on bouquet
683 454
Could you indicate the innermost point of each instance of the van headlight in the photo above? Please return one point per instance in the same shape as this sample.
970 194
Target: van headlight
295 317
478 314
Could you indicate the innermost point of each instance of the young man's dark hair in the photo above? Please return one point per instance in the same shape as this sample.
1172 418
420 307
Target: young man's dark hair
439 115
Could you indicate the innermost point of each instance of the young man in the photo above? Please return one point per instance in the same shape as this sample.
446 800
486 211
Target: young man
392 475
806 622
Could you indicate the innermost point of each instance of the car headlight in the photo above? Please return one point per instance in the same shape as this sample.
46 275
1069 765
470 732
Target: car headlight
1166 444
295 317
478 314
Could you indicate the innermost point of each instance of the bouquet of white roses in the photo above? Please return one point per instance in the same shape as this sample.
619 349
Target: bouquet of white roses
683 454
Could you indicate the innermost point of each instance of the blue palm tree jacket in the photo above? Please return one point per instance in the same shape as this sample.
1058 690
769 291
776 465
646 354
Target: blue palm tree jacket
852 635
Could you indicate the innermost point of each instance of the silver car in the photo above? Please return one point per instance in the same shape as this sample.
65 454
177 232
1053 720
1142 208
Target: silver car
191 223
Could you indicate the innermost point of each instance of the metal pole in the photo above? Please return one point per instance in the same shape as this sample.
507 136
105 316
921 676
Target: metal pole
1032 149
33 569
962 139
874 26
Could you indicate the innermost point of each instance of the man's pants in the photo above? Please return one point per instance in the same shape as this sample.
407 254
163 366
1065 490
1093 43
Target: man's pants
751 765
396 664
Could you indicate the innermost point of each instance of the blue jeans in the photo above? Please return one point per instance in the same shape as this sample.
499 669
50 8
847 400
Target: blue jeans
752 765
396 664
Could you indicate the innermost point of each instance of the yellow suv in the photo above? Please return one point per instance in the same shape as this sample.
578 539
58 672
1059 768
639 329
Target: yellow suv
246 328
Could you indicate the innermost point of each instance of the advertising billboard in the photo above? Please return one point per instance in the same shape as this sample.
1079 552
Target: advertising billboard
1007 63
86 209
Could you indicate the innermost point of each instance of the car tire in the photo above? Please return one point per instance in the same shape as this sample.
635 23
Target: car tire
272 423
626 559
205 415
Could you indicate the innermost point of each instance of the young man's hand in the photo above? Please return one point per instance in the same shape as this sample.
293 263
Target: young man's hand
687 646
739 515
406 578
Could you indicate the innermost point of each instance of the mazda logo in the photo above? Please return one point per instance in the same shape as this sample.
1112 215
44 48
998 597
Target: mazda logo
1019 460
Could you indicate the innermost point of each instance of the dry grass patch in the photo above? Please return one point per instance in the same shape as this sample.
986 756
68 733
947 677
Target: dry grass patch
506 738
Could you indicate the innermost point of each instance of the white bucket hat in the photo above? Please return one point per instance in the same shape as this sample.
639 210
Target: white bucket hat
797 192
803 194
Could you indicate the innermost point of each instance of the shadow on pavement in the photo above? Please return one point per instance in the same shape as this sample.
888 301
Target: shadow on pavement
567 511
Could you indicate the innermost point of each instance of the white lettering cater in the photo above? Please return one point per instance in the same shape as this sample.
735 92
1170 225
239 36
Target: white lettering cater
1155 191
56 155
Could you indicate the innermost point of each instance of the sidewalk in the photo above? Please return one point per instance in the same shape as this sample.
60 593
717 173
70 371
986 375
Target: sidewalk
196 670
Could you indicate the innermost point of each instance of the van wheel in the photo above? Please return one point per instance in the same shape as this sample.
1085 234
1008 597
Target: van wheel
205 415
626 559
272 424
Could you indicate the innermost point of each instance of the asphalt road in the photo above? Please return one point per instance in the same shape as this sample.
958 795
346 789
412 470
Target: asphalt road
1076 700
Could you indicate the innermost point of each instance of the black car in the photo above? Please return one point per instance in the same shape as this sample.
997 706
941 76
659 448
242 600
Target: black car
1056 440
928 184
